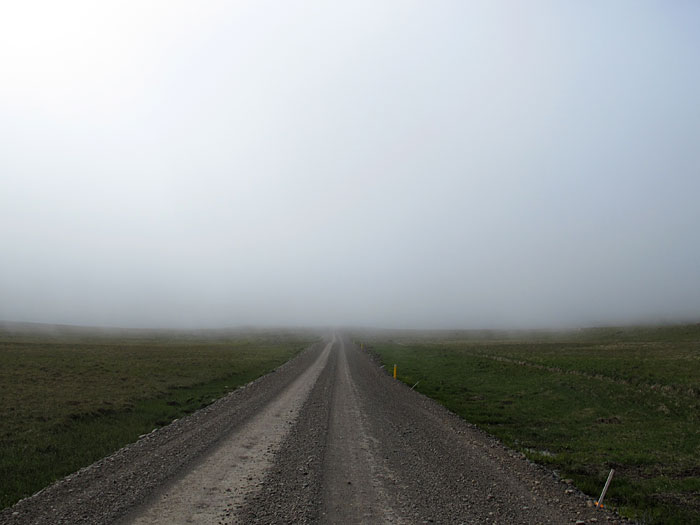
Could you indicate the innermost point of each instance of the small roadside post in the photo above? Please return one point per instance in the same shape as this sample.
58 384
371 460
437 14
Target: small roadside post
394 371
599 503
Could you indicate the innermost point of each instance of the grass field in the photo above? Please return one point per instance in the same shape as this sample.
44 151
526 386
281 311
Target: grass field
581 402
70 397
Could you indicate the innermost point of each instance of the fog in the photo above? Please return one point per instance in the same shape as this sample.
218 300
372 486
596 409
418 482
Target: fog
393 164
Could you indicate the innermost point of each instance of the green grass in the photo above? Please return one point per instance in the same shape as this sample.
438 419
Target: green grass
581 402
67 400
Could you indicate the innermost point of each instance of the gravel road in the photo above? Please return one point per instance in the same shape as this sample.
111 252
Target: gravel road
328 437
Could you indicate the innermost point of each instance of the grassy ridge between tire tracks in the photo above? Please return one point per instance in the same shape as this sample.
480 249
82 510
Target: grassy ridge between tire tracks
580 402
72 396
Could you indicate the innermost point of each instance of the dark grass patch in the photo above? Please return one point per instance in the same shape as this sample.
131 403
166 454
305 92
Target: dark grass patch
581 403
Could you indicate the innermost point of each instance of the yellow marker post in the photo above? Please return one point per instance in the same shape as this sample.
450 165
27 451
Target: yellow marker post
394 371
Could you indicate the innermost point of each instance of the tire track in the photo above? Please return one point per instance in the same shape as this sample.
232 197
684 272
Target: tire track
221 481
353 491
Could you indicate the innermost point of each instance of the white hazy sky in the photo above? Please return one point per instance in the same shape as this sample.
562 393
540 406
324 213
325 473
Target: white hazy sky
389 163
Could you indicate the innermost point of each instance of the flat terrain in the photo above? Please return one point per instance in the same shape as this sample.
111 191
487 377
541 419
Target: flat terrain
70 396
579 402
329 437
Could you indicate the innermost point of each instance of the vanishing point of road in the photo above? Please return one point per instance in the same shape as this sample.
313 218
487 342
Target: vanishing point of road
329 437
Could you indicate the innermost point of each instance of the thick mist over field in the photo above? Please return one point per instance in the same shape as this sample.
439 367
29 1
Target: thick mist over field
398 164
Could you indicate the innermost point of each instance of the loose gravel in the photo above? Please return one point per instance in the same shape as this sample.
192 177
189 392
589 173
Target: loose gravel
405 459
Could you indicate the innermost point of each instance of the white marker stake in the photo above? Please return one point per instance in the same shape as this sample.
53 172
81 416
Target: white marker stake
599 503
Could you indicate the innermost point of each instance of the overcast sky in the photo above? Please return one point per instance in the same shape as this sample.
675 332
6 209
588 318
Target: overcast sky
387 163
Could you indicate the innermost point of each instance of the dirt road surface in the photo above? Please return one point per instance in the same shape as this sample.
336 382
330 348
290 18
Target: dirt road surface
329 437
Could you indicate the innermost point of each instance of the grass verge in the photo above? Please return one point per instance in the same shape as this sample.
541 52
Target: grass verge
581 403
70 398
